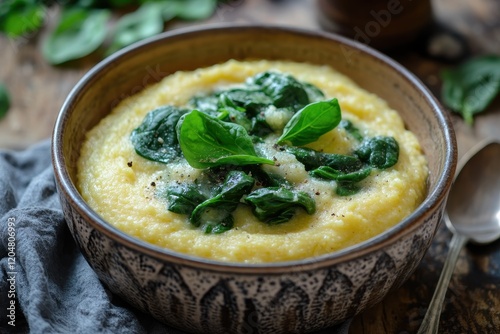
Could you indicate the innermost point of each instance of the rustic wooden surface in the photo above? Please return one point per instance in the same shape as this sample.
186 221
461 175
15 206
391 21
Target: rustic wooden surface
472 302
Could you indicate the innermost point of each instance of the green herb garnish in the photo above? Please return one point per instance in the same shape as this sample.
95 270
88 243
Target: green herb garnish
470 88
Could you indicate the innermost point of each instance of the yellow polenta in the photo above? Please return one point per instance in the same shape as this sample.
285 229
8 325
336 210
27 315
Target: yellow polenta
122 186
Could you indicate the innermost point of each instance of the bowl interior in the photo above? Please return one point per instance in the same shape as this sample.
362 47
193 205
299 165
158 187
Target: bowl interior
129 71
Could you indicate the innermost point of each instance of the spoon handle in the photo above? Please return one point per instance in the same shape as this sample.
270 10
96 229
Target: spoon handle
430 324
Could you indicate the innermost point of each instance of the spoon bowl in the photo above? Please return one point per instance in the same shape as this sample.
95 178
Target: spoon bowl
472 214
473 207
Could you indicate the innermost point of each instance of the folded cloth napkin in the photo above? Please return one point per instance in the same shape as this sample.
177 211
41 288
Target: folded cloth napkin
46 286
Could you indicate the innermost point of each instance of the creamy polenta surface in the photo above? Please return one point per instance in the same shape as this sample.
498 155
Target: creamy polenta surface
127 190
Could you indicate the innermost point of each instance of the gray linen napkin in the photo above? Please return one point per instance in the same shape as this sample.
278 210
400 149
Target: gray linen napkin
46 286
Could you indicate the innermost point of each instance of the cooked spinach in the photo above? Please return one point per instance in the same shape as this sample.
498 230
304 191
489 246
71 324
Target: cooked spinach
215 213
311 122
210 208
4 100
471 87
221 135
351 129
380 151
156 138
313 159
329 173
284 90
207 142
276 205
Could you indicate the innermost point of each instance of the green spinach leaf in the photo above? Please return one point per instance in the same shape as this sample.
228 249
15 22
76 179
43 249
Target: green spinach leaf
380 152
156 138
284 90
329 173
183 198
311 122
193 9
215 214
79 33
351 129
313 159
145 22
470 88
20 17
346 182
4 100
276 205
207 142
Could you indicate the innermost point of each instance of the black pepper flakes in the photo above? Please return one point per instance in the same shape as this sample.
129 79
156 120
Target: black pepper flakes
153 184
129 163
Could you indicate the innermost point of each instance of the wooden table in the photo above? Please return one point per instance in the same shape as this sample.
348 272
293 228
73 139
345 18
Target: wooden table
472 302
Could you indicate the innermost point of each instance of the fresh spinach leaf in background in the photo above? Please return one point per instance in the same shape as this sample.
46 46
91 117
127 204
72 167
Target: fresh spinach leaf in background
192 9
145 22
82 27
207 142
79 33
4 100
311 122
470 88
21 17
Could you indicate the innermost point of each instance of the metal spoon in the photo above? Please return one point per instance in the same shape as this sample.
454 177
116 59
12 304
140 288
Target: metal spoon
472 214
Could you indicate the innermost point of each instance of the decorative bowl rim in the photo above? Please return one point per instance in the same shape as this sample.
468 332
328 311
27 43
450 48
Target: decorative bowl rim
430 204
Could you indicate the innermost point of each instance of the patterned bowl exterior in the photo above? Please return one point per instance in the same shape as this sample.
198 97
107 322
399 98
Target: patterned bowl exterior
205 296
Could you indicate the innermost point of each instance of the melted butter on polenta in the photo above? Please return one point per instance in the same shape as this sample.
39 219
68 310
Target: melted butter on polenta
128 190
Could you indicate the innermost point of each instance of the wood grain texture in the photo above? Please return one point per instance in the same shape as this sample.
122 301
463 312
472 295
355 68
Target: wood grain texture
472 304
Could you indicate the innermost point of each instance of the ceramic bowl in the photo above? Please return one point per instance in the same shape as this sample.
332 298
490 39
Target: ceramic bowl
204 296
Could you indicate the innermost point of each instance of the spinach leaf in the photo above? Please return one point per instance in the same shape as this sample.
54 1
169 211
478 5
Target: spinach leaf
183 198
4 100
156 139
351 129
347 188
313 159
234 113
311 122
314 93
215 214
276 205
145 22
346 182
79 33
470 88
193 9
380 152
329 173
20 17
284 90
207 142
252 99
